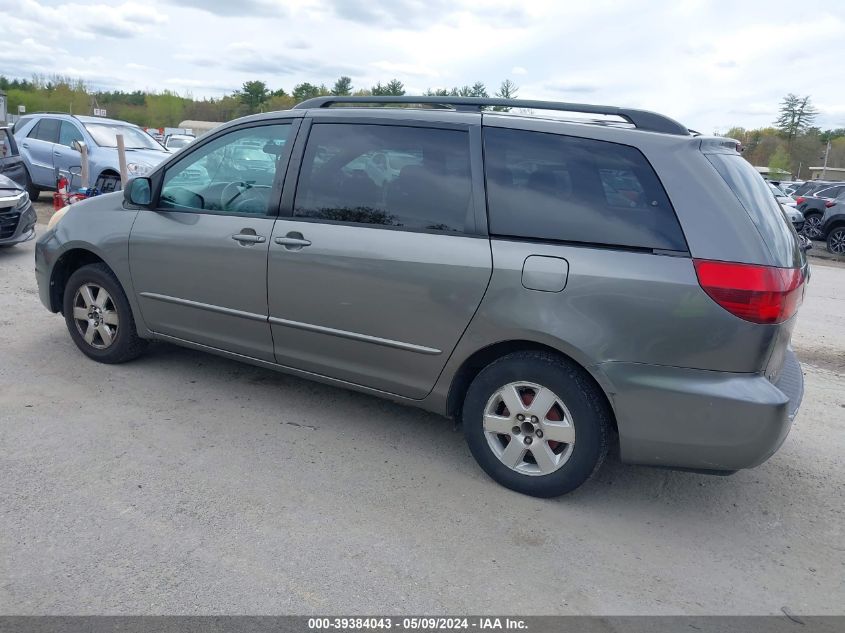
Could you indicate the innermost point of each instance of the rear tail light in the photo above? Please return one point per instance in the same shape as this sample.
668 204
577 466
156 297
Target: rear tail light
760 294
829 203
800 200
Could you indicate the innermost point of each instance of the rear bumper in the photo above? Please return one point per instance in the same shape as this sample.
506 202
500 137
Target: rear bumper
707 420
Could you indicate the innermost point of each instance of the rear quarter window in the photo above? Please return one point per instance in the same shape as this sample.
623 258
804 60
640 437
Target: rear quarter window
564 188
756 198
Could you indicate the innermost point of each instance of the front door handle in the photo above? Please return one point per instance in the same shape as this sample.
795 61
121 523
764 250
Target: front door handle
293 241
249 238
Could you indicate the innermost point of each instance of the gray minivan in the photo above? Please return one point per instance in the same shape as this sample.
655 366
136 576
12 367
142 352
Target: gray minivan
555 285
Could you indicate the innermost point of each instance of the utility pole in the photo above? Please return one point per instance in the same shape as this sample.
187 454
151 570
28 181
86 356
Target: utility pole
826 154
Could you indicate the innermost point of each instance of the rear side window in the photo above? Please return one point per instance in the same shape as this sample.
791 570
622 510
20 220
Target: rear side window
552 187
757 199
22 121
46 130
405 177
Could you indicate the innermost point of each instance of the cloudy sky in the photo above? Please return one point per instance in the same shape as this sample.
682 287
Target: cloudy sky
710 64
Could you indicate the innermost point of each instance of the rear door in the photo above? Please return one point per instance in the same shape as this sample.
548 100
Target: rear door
199 260
383 259
37 149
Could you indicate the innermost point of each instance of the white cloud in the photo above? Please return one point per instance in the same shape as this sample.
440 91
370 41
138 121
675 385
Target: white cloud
707 66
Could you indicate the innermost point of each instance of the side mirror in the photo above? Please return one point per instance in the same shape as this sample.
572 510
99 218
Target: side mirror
78 146
138 192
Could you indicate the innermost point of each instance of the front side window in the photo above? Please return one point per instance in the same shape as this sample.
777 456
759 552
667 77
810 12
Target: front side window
231 174
553 187
68 134
46 130
404 177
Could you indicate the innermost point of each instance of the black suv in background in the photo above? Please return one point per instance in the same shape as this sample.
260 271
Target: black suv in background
832 227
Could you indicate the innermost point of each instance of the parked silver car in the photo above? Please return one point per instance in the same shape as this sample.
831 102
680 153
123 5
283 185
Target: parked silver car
556 286
48 143
17 216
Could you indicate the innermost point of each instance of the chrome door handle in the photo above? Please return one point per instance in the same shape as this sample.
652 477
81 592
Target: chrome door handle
293 241
250 238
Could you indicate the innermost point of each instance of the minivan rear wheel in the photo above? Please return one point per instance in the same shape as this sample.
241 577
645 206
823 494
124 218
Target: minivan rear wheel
98 316
536 423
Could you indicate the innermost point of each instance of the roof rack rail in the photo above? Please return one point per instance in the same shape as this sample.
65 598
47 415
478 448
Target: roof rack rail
641 119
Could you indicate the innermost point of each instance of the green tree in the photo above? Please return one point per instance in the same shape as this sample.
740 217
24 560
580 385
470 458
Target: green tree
797 114
393 88
508 90
304 91
342 87
253 94
478 90
779 161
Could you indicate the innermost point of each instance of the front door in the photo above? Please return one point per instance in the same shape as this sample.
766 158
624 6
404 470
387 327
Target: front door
199 260
65 157
376 276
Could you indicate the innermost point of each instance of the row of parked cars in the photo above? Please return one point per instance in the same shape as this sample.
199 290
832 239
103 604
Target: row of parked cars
40 147
821 204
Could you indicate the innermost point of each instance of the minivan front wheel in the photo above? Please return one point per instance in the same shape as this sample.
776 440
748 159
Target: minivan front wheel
98 316
536 423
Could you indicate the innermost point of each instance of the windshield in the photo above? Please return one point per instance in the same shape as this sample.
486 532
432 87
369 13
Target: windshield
105 135
176 143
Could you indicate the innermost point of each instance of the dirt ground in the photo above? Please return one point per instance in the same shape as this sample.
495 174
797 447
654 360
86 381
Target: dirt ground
186 483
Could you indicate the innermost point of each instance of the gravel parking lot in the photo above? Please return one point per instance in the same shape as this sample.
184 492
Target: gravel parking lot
186 483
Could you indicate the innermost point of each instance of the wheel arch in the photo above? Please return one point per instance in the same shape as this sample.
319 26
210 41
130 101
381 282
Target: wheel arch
478 360
838 223
68 263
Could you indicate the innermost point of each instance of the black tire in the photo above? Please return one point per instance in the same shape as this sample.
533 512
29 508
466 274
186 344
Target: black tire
126 344
589 410
108 182
33 191
836 241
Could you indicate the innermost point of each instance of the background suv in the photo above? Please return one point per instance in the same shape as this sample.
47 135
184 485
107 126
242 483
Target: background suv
557 286
46 145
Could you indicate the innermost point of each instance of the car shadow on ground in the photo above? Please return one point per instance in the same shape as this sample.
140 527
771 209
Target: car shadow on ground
443 442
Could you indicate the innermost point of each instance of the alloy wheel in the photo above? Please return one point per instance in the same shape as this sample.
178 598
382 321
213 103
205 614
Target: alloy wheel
529 428
812 226
95 316
836 242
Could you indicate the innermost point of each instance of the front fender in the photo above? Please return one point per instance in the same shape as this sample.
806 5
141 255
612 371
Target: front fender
100 226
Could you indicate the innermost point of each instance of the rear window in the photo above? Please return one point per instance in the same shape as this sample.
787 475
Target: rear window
757 199
553 187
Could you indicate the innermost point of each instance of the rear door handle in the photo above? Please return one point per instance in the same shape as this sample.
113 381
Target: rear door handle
249 238
292 242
